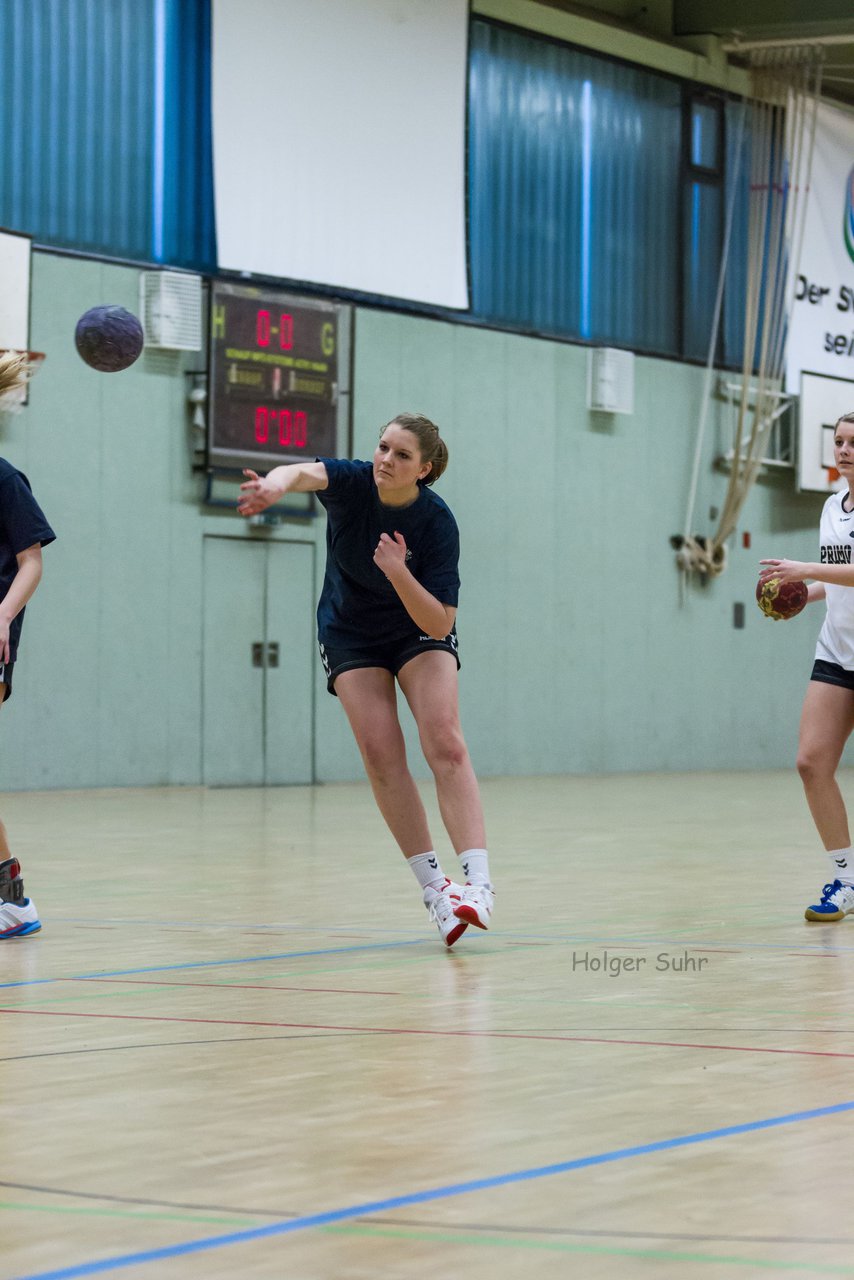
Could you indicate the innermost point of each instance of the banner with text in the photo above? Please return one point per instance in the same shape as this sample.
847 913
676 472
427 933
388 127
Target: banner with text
821 334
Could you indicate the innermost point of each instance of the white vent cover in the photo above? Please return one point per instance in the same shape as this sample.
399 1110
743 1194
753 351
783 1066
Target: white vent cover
610 380
170 304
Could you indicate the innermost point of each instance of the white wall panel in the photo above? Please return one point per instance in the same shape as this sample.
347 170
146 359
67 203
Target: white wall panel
339 143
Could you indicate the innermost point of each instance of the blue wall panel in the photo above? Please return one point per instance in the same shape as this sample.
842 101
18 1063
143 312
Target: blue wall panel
573 191
76 119
105 120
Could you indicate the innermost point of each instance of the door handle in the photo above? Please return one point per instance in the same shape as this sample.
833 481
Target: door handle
273 653
258 654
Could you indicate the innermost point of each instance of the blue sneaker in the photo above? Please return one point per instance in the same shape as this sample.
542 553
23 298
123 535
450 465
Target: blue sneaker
837 899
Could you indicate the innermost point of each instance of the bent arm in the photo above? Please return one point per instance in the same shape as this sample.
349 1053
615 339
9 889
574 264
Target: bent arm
434 618
23 585
257 493
426 611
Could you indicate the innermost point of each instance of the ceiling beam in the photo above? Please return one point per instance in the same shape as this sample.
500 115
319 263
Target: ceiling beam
743 46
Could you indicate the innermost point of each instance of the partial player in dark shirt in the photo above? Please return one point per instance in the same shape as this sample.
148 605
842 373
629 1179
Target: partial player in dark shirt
387 613
23 532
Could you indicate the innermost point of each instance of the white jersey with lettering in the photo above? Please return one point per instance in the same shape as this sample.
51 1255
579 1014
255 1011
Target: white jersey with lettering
836 533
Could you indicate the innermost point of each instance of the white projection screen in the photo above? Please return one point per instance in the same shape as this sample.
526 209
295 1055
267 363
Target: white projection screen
339 143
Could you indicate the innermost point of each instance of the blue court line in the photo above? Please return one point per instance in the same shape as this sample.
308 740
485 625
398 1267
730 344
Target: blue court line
213 964
686 940
372 1207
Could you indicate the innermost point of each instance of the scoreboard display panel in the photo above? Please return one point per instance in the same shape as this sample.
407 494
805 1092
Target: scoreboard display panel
279 378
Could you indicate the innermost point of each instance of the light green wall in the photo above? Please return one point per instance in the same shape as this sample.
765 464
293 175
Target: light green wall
578 653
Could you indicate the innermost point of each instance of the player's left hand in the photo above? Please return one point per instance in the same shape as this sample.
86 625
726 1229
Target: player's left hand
784 570
390 555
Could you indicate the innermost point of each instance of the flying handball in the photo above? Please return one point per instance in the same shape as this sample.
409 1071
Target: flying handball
109 338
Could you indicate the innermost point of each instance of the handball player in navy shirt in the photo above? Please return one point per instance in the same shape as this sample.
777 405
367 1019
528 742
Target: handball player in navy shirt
387 614
23 532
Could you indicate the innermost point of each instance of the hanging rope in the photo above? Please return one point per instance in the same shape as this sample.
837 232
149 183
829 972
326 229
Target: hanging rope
781 122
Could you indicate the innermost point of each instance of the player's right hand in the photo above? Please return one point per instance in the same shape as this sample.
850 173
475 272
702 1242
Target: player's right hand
256 494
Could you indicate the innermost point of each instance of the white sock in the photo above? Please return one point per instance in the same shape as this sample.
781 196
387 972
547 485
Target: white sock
427 872
842 862
475 865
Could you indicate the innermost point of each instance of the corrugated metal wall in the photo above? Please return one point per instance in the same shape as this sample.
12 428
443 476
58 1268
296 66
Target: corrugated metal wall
583 219
99 99
189 227
738 143
574 191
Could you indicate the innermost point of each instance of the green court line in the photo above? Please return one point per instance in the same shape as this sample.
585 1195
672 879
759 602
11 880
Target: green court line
561 933
139 991
87 1212
556 1246
612 1000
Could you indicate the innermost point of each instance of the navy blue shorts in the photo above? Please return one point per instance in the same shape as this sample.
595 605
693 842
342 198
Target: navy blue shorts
390 657
832 673
6 669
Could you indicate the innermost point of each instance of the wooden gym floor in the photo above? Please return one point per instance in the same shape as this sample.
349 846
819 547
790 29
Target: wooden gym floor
238 1048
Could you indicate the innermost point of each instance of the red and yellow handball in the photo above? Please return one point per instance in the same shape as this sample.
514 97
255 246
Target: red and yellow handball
781 600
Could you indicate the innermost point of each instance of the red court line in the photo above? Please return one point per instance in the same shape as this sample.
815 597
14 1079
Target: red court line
235 986
424 1031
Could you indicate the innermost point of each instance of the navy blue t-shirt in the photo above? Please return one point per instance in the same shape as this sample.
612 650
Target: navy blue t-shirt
358 605
22 525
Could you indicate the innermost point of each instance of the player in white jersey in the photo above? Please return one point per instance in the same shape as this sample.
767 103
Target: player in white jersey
827 719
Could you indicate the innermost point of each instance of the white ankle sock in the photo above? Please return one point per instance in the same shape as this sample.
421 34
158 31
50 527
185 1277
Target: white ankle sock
475 865
426 869
842 862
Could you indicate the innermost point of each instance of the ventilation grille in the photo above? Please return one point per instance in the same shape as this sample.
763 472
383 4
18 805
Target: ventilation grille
611 380
171 310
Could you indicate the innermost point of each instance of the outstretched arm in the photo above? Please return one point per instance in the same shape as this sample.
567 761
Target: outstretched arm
257 493
838 575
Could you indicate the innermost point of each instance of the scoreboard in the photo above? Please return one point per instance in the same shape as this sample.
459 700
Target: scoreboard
279 378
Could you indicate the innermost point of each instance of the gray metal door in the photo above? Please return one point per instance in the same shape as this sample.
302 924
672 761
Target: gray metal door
257 663
291 655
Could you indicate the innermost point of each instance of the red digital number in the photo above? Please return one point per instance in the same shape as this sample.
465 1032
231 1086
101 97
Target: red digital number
262 328
292 426
286 332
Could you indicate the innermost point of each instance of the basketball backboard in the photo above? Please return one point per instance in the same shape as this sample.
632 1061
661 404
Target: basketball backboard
15 265
15 255
823 402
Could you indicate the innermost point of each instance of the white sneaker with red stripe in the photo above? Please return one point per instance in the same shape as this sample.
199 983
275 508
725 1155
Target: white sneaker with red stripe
475 907
18 915
18 919
441 905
